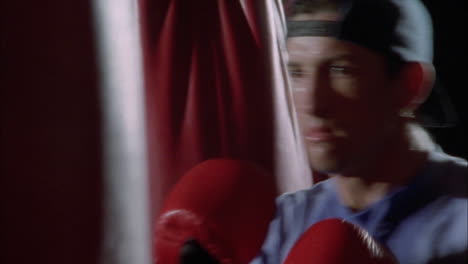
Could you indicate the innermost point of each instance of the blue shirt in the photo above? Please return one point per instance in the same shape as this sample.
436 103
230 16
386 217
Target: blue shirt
423 222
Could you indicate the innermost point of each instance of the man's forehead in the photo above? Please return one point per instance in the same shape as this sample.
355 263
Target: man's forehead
319 47
325 50
325 15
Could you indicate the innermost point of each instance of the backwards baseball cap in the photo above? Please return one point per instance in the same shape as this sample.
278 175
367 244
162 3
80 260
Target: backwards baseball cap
401 30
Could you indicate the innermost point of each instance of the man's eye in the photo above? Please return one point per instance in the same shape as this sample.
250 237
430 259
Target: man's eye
341 70
294 70
296 73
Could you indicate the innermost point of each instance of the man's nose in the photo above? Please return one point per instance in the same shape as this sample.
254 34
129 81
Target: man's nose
313 94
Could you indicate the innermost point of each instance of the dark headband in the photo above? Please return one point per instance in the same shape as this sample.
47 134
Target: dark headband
324 28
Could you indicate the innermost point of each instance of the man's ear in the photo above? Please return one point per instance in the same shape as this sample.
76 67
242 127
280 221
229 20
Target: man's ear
415 81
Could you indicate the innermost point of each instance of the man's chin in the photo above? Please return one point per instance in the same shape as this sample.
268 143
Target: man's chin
325 167
325 163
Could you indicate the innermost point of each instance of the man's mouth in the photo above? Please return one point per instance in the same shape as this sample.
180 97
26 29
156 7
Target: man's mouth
319 134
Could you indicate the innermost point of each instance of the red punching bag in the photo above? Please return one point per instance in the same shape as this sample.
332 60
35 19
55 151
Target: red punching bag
208 91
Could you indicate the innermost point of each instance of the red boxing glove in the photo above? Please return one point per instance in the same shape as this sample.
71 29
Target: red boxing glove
335 241
225 205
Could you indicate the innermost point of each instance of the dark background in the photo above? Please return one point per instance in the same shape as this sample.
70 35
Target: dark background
449 18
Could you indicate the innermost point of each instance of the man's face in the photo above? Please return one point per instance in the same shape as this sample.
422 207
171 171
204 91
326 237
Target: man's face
344 100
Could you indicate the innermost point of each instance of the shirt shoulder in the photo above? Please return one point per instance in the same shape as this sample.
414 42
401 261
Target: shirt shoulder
436 230
449 174
295 212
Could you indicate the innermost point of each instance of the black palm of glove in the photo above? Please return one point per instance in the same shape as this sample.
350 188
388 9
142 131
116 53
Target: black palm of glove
192 253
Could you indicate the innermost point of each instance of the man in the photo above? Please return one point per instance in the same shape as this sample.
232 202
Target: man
359 70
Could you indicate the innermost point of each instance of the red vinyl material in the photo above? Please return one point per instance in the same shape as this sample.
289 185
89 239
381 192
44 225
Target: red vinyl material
335 241
218 204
